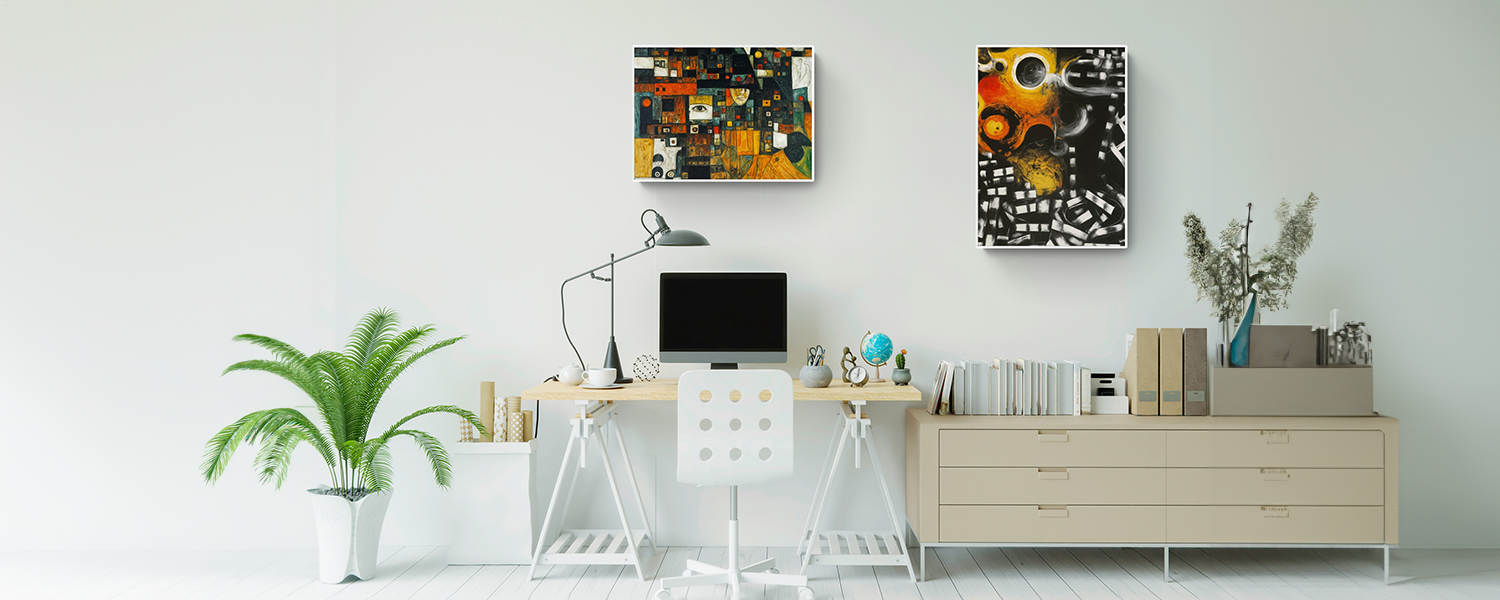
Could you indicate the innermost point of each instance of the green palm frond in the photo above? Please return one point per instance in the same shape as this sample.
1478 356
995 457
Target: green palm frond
282 350
462 414
346 387
275 456
371 331
375 465
442 469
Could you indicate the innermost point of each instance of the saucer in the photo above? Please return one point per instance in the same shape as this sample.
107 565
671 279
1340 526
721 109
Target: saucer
613 386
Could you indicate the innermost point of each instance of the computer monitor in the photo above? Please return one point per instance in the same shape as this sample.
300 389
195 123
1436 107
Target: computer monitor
723 318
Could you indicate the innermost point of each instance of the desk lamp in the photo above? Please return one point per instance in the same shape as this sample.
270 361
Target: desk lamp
661 236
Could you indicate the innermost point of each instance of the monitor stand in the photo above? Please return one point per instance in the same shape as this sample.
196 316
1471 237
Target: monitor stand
723 366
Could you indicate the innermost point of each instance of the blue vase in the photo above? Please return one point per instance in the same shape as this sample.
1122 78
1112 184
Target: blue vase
1239 347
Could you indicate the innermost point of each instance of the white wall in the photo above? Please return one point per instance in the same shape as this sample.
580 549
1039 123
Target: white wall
300 163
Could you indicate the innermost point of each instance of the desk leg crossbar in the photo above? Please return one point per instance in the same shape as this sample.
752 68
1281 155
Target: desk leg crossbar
878 548
593 546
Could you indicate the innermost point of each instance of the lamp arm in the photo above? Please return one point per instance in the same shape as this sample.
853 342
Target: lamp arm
562 293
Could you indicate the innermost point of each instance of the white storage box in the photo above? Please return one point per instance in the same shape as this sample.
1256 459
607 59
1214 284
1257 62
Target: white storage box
495 516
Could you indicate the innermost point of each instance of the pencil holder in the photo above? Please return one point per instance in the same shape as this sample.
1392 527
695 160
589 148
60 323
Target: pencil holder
816 377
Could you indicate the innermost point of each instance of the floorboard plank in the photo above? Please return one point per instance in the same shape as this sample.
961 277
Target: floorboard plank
896 584
130 571
520 584
1255 573
1002 574
858 581
672 565
1119 582
937 585
1078 577
786 562
630 586
1038 574
226 565
1229 580
406 584
385 571
486 580
446 582
598 580
715 556
1184 576
824 581
1146 574
968 579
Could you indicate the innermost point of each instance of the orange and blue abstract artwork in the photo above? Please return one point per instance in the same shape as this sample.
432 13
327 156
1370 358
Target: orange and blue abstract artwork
1051 161
723 114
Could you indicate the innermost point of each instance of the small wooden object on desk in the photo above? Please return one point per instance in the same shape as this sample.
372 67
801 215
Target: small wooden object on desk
487 411
515 426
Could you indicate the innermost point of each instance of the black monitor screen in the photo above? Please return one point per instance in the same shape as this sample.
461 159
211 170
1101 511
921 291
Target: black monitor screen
723 312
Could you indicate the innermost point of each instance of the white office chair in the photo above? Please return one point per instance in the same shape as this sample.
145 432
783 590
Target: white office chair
734 428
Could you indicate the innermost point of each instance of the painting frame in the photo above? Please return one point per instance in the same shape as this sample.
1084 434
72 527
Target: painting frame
1036 113
774 144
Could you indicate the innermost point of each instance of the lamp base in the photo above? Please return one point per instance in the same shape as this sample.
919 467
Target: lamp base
612 361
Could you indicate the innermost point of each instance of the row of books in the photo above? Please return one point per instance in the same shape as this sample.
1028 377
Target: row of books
1166 372
1011 387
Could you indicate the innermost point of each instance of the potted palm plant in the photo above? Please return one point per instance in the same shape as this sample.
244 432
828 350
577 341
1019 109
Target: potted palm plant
345 387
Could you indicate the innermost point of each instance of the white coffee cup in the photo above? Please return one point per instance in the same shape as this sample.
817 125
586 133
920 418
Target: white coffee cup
600 377
570 375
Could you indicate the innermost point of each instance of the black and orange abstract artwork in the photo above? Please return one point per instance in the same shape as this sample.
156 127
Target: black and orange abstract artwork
1051 164
723 114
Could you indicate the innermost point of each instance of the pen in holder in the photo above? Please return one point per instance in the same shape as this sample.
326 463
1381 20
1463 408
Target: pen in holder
815 374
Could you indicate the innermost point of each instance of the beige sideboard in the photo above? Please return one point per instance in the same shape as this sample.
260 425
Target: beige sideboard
1123 480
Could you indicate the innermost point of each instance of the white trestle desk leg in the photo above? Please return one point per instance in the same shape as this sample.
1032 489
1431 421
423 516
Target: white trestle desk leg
614 490
541 536
858 432
838 455
885 491
634 487
820 489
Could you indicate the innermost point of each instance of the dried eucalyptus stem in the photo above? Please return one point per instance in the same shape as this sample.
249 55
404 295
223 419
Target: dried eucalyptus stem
1224 273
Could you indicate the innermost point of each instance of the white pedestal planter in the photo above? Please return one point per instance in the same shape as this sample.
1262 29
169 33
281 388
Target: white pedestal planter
348 535
495 518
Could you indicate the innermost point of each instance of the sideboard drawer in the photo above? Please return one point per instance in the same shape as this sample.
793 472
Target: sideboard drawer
1051 485
1308 487
1051 448
1276 524
1276 449
1052 524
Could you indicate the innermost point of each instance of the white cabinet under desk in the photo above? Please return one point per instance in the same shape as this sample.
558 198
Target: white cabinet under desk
1158 481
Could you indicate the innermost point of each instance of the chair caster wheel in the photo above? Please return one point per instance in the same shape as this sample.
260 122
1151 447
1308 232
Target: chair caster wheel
664 595
805 593
687 572
774 571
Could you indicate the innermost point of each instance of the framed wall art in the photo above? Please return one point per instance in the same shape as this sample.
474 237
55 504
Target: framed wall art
1051 158
723 113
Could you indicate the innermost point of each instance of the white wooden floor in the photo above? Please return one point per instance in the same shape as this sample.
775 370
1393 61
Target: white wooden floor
953 574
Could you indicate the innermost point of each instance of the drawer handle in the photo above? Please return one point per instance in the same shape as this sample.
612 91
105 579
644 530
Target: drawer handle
1275 474
1275 512
1052 511
1051 473
1275 436
1052 435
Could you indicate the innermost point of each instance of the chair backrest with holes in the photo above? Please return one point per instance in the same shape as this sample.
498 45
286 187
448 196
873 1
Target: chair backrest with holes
734 427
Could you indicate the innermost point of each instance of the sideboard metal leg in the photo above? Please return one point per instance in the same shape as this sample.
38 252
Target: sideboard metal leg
1387 564
1166 564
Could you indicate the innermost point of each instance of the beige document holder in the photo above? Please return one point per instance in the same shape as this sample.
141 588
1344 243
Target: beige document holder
1170 371
1140 373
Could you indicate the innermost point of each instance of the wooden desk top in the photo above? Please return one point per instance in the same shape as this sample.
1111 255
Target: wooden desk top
666 389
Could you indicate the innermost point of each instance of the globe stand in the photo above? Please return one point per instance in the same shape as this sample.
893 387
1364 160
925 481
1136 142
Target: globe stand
877 378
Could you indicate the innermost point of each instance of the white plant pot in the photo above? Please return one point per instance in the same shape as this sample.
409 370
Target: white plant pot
348 535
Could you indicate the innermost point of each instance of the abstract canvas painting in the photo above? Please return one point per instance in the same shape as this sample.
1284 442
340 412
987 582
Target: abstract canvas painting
1052 147
723 114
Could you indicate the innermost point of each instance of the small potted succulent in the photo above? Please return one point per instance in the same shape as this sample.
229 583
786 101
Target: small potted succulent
901 375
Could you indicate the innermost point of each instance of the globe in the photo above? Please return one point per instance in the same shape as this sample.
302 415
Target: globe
876 348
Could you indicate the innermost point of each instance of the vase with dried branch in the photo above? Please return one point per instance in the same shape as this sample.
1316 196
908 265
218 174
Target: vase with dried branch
1238 286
